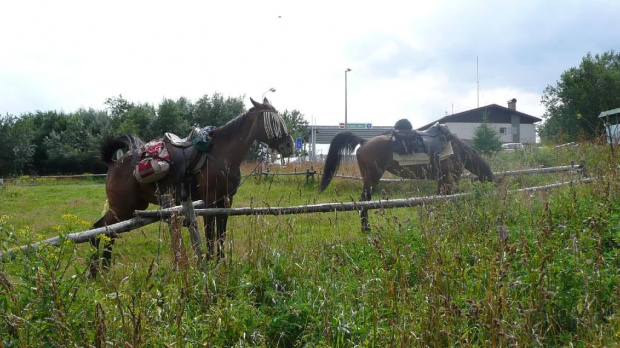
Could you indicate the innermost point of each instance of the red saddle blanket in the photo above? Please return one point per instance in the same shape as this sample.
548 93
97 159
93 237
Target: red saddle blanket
154 162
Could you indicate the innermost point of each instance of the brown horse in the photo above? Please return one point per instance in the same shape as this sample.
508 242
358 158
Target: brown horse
215 182
375 156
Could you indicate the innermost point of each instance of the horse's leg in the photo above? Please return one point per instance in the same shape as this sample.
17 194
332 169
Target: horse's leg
371 179
371 168
366 196
222 221
122 201
221 235
107 249
444 182
109 218
449 175
209 222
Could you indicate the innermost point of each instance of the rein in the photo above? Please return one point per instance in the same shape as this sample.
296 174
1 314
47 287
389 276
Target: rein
228 175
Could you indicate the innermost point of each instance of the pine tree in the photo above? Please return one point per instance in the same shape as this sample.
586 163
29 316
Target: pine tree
486 140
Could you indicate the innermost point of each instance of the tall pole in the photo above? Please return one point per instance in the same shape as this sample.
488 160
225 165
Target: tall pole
477 85
345 98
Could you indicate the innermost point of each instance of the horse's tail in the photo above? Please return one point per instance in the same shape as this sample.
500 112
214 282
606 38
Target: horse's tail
112 145
341 142
474 162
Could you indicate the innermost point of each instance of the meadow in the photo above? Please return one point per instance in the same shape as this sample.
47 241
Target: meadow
496 268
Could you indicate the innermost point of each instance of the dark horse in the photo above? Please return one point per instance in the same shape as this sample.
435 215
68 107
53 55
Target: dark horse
375 156
215 182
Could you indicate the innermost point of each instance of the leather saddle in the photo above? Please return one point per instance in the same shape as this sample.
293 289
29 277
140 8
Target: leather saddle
431 141
187 155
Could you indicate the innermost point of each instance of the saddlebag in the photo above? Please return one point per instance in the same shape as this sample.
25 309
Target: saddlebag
154 162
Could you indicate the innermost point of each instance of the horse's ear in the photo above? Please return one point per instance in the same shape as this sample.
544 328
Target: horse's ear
265 101
256 104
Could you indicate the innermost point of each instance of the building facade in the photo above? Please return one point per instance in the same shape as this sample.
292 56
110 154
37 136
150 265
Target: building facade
513 126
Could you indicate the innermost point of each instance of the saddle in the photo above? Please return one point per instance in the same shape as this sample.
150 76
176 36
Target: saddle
431 141
413 147
187 155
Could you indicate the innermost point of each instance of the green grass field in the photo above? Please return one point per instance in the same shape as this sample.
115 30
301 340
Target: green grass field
493 269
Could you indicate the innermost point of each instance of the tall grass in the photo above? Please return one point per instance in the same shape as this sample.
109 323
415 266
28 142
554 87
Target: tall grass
493 269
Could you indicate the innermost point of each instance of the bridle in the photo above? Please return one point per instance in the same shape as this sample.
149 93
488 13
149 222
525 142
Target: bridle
274 126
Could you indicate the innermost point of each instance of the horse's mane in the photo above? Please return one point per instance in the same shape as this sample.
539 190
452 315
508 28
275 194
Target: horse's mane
472 160
234 126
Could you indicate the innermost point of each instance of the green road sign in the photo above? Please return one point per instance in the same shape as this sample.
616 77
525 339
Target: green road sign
357 125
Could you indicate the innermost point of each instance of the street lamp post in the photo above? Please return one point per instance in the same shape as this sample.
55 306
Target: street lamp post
269 90
345 98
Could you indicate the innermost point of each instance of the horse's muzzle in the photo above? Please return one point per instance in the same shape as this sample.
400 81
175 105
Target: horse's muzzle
286 148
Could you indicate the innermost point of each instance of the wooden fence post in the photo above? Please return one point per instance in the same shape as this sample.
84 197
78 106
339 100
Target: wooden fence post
179 254
584 170
192 226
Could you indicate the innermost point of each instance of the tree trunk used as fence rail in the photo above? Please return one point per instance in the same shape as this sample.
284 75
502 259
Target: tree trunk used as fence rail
569 168
310 173
144 218
86 236
344 206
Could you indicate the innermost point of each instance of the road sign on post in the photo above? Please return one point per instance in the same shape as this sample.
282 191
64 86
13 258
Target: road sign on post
298 143
357 125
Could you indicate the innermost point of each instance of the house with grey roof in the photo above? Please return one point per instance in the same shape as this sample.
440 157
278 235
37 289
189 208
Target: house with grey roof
513 126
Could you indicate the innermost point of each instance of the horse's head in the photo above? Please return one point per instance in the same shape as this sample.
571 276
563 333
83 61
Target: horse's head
272 129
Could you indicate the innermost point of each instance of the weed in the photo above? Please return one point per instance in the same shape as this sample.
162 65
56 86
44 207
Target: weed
492 269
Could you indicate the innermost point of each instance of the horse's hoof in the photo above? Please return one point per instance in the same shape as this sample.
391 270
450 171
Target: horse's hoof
93 268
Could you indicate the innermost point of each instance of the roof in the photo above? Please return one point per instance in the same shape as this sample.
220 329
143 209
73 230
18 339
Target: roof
609 113
496 113
325 134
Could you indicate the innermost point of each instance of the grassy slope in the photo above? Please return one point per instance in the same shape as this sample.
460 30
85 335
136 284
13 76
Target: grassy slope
493 269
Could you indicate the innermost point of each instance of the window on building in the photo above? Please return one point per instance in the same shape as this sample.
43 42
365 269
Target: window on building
502 130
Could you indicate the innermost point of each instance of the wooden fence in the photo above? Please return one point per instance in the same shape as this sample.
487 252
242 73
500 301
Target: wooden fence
144 218
310 173
33 179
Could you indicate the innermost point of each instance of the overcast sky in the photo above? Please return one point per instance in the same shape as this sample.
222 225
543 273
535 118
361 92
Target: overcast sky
409 59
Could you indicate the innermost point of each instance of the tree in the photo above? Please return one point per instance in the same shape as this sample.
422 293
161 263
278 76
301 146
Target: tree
118 106
486 140
131 118
295 123
216 111
581 94
170 119
7 155
138 120
22 136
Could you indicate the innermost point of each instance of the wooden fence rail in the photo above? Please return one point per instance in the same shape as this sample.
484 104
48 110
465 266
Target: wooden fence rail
569 168
546 170
32 180
144 218
310 173
86 236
